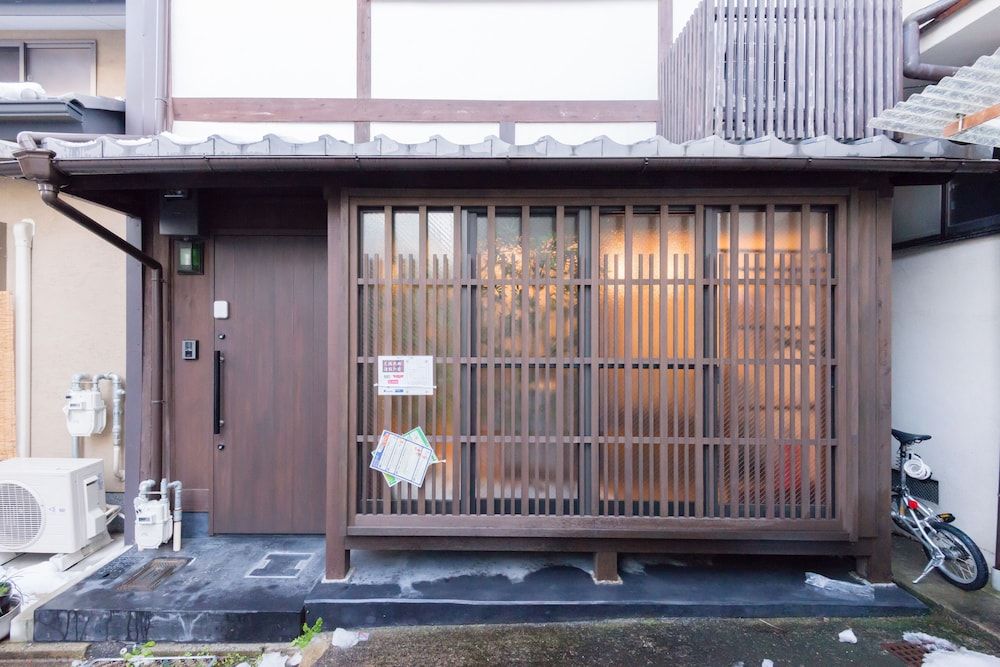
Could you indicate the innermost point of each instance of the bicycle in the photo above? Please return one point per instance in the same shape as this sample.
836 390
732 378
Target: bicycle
949 550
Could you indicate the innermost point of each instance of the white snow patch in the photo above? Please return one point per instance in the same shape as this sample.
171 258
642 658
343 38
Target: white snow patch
409 568
37 580
848 637
21 91
138 141
963 657
346 638
930 642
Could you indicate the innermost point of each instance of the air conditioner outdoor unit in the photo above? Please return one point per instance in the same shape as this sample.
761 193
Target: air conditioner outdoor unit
54 506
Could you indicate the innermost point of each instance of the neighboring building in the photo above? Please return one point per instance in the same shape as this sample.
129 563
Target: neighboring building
76 52
946 296
640 345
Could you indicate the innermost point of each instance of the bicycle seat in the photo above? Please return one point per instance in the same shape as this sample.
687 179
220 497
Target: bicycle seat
908 438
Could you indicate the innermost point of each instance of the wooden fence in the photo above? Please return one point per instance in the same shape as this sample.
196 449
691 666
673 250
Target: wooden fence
796 69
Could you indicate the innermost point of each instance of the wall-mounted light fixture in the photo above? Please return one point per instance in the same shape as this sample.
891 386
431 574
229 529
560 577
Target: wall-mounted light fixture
190 257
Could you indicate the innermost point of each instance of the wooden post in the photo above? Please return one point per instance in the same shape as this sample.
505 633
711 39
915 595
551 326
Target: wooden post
606 567
338 559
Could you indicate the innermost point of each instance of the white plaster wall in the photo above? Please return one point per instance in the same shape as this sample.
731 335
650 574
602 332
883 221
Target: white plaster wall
510 49
458 133
243 132
946 372
77 313
262 48
578 133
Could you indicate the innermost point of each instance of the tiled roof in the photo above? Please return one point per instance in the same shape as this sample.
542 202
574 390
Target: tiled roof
927 113
170 145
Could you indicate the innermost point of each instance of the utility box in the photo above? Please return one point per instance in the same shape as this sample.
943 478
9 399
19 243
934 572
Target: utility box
179 213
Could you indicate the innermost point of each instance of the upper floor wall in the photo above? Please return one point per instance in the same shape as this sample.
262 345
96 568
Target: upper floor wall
465 69
106 59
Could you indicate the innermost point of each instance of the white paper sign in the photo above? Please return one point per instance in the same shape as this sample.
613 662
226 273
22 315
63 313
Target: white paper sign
406 376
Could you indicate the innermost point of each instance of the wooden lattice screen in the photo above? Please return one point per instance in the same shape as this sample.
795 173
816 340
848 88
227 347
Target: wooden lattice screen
634 360
796 69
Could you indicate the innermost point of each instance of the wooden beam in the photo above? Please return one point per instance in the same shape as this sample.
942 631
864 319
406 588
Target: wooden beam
338 561
972 120
606 567
332 110
362 128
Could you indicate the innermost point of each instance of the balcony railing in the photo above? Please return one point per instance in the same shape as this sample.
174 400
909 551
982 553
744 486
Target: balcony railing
796 69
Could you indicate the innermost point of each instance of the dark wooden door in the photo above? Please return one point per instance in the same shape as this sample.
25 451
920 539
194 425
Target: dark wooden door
270 449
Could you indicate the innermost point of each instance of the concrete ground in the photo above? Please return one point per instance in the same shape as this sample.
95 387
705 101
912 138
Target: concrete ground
675 642
967 619
978 608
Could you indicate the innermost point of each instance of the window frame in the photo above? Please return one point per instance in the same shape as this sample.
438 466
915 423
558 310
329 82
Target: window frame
24 45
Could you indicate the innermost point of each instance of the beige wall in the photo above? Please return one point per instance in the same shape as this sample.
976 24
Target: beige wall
110 54
78 284
78 313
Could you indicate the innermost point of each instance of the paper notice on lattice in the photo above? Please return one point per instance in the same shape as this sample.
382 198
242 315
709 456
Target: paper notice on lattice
401 458
405 376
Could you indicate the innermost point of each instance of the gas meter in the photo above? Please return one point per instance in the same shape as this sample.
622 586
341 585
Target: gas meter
86 413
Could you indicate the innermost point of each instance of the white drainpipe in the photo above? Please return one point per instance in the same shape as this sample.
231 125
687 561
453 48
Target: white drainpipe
24 232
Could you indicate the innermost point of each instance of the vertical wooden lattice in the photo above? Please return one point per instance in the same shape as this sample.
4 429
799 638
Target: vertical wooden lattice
668 362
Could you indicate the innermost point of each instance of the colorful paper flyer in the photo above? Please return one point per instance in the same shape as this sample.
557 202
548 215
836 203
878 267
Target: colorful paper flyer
403 457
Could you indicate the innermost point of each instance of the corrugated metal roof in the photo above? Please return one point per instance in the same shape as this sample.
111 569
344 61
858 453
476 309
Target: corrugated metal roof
927 113
170 145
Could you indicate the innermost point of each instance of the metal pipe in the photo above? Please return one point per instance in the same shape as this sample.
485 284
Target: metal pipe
76 382
117 400
145 486
913 66
178 488
23 232
50 195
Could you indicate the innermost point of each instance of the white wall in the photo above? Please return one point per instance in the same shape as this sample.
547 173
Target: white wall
514 50
946 372
421 49
263 48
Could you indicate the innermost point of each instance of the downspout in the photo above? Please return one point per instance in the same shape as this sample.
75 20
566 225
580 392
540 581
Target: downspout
37 165
913 67
24 232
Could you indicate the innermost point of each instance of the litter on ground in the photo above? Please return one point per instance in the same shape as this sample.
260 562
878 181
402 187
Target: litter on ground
865 590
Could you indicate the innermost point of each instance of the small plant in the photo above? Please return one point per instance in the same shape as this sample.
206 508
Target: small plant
139 653
308 633
8 594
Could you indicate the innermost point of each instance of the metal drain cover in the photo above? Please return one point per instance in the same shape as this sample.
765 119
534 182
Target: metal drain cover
152 574
279 565
911 654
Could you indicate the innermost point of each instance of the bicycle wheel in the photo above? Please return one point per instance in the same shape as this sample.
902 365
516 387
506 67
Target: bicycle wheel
964 564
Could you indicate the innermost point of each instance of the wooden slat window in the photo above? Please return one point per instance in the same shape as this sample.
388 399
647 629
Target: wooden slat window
635 360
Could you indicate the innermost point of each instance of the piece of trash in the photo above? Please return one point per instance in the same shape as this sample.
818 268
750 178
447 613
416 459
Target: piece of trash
767 662
866 591
346 639
848 637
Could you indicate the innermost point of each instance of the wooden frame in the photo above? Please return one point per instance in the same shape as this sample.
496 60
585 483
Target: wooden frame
856 529
366 110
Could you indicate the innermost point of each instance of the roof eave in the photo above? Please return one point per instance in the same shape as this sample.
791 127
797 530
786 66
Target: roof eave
334 164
